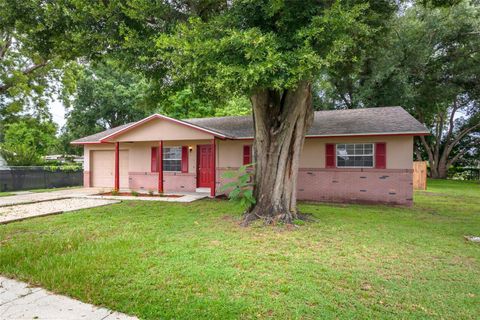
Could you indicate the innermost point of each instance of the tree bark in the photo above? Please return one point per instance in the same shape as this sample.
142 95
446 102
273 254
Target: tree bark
281 120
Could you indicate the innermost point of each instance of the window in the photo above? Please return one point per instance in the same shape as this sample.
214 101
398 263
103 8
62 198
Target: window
355 155
172 159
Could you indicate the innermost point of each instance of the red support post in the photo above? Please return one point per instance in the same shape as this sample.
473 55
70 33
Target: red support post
214 167
160 166
117 166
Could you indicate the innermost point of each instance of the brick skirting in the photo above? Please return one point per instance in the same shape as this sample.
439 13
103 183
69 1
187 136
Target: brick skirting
390 186
172 181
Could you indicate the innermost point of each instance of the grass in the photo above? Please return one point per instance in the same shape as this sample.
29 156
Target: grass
11 193
6 194
193 261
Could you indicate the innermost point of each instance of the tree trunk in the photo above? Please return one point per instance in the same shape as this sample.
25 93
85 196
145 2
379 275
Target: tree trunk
281 120
441 171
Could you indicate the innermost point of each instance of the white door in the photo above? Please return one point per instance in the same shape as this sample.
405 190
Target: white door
102 168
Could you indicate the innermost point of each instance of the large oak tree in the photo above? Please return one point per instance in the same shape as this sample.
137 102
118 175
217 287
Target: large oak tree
272 51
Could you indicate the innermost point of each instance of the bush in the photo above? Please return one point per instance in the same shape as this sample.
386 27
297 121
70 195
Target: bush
241 188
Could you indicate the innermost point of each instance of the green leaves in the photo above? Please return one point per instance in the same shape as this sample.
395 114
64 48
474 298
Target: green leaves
240 187
261 44
26 141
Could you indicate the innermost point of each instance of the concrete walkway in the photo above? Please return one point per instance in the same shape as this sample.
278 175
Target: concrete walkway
18 301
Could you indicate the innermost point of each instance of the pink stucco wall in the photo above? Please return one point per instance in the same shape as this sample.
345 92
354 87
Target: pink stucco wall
86 179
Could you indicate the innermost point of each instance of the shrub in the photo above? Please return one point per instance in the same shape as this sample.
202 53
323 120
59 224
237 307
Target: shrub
134 193
241 187
114 192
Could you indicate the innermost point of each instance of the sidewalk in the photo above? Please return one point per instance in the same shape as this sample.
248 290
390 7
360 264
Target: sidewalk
19 301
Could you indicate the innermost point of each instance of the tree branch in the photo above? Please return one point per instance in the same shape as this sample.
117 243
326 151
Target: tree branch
456 157
6 46
29 70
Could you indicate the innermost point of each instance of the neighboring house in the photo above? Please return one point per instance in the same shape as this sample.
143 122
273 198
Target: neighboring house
361 155
64 158
3 163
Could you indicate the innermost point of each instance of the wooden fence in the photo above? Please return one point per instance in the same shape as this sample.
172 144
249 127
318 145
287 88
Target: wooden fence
420 175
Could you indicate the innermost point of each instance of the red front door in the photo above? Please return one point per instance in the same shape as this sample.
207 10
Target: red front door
204 166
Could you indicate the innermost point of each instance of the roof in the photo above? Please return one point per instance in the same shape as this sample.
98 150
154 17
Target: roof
95 138
351 122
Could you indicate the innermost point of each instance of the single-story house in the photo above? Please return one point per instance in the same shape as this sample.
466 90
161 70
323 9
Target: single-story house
361 155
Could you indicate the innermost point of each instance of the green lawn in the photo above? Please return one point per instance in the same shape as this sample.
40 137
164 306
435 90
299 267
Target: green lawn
190 261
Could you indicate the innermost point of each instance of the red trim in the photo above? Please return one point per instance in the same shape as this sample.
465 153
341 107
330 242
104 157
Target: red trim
184 159
380 155
89 142
330 155
369 135
224 137
159 116
352 135
160 166
247 154
117 166
214 158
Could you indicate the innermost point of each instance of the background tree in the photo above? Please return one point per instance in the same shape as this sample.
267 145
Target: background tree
105 96
27 141
32 56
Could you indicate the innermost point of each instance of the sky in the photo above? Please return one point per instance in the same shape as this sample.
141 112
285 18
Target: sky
58 112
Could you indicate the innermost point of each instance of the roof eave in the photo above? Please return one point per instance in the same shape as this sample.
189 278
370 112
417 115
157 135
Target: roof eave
159 116
419 133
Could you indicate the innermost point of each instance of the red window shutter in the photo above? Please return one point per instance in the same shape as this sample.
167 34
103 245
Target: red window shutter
185 159
247 154
153 162
329 155
380 155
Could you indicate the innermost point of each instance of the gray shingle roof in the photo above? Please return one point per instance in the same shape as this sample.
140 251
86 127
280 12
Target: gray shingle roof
97 136
389 120
369 121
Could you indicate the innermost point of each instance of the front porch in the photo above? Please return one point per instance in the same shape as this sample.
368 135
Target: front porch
162 155
173 166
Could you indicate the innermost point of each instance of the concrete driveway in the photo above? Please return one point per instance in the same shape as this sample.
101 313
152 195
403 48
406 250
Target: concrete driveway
29 205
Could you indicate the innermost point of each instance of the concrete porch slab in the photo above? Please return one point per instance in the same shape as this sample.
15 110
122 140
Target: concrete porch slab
184 198
20 301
